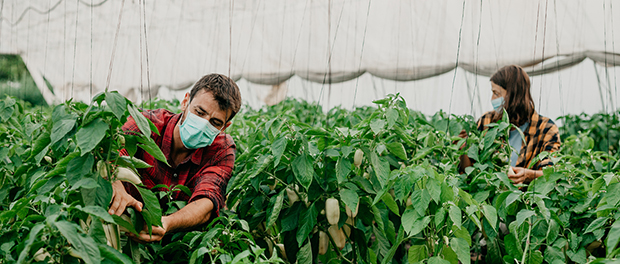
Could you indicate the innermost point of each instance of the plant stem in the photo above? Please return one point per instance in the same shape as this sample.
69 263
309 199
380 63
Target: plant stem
527 242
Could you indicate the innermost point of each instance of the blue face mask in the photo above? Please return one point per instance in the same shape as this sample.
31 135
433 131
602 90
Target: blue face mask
497 103
197 132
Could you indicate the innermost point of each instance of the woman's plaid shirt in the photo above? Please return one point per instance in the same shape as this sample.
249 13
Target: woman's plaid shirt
541 135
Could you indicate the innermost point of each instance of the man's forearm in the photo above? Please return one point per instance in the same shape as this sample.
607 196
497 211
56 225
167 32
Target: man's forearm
193 214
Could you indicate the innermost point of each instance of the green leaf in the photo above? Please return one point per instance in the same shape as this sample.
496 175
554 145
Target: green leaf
275 206
307 218
513 247
536 257
391 204
417 253
149 145
381 167
32 237
512 197
121 222
61 128
141 121
612 238
117 103
96 211
397 149
613 194
579 256
376 125
408 219
135 162
343 167
100 196
491 214
440 216
151 210
434 189
596 224
392 115
455 215
420 200
111 254
87 183
350 198
437 260
277 149
305 254
197 253
462 233
303 170
419 225
522 215
461 249
472 152
79 167
89 136
40 145
83 245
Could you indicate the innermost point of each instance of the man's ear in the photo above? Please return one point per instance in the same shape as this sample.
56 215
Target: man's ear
185 102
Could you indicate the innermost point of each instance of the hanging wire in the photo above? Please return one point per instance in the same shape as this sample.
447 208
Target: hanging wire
255 16
476 62
44 12
230 15
141 61
118 28
47 33
359 67
536 37
557 54
146 47
606 76
613 50
90 83
64 55
456 65
540 95
77 12
281 40
176 42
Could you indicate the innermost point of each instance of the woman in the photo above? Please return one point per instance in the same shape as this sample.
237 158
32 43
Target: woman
511 91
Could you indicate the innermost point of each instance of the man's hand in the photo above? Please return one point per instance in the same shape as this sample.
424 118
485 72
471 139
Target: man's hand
156 235
523 175
121 199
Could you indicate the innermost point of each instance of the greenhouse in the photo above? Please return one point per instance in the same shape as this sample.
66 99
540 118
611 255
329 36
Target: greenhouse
309 131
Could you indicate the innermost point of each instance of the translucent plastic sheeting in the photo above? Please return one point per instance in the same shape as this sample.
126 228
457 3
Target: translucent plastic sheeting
137 47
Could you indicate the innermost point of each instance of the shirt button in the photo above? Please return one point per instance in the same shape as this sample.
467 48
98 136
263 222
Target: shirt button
175 175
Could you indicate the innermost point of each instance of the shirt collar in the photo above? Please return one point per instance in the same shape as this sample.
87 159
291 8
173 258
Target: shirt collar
196 156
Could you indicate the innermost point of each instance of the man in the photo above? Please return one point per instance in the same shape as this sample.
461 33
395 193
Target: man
201 157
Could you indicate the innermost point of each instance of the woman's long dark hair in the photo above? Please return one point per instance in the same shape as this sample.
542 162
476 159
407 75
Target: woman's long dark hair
518 100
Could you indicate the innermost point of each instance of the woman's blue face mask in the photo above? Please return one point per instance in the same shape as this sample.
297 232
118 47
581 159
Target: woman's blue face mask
197 132
497 103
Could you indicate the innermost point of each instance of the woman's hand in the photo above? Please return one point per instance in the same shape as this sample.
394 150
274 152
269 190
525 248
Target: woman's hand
463 134
523 175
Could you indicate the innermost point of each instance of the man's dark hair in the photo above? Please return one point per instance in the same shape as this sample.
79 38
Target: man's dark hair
224 90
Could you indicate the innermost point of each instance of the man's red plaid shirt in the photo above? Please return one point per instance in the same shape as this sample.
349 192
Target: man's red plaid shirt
205 172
